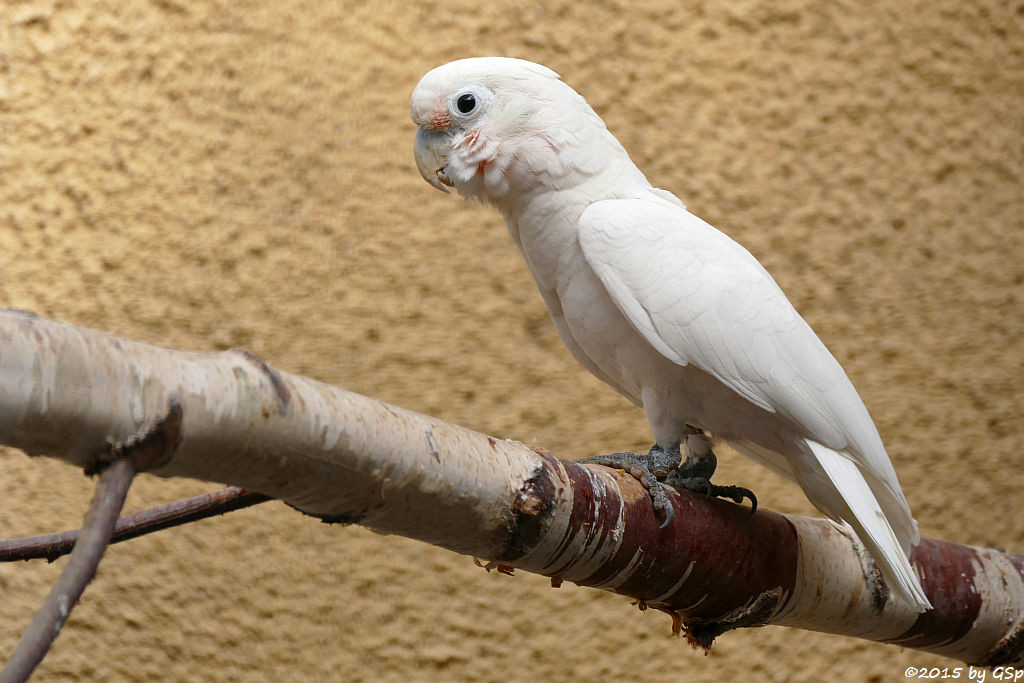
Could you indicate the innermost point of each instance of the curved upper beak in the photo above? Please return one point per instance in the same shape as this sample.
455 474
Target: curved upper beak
431 148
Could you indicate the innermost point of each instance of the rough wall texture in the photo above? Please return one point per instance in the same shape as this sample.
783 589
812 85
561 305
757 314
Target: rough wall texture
210 174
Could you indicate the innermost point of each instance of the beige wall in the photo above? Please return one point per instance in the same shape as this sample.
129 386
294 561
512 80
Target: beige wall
217 174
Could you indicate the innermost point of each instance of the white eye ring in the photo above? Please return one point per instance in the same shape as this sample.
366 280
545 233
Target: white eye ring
468 102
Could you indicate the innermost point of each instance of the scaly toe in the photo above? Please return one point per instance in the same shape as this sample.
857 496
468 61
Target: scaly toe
643 467
703 485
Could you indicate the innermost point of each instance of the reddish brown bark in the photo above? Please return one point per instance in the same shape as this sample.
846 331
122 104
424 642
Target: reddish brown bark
717 568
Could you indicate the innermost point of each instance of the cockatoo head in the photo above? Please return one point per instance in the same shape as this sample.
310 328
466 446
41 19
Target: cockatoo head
491 125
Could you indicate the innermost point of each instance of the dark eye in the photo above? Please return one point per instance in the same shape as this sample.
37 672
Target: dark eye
466 103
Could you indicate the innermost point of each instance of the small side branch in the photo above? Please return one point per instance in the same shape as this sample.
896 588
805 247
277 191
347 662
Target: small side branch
116 474
140 523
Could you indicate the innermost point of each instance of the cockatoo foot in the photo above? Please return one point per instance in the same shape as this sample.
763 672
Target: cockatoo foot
663 465
695 473
649 469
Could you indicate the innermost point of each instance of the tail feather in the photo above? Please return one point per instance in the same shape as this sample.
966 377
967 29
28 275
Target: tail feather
879 516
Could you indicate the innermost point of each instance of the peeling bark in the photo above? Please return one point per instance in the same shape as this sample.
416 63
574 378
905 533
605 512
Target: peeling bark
66 391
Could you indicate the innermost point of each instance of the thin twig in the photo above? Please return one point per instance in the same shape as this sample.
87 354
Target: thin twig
140 453
53 546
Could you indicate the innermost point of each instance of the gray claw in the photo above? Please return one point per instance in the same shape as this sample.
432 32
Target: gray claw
669 514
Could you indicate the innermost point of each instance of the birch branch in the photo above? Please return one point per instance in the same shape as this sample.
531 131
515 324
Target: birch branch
65 391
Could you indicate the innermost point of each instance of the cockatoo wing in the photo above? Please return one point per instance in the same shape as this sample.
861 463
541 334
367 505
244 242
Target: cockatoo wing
699 297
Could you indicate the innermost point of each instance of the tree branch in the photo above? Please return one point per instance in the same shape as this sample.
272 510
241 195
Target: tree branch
347 458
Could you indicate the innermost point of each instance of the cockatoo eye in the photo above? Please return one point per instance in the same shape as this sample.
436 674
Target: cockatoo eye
466 103
469 102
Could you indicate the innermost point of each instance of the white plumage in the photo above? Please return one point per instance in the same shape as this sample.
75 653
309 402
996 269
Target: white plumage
666 309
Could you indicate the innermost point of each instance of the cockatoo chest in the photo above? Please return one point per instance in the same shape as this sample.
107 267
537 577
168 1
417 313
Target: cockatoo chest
584 315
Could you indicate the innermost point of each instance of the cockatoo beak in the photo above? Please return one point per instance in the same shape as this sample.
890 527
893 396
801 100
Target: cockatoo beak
432 148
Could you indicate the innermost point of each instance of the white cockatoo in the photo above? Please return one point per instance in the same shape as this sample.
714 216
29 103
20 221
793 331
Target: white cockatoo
666 309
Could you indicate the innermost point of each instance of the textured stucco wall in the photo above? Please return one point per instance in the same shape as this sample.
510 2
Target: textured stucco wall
218 174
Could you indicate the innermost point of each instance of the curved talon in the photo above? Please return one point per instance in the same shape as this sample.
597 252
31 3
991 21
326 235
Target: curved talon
669 515
753 499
